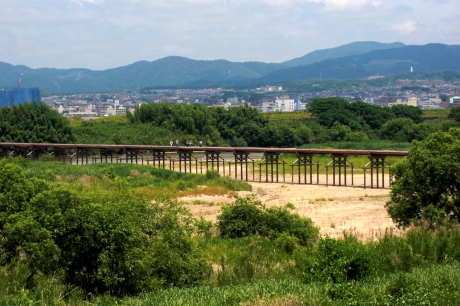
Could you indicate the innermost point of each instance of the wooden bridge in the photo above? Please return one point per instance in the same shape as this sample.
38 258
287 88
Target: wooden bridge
243 163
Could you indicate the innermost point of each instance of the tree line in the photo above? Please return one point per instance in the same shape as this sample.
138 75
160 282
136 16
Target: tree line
334 119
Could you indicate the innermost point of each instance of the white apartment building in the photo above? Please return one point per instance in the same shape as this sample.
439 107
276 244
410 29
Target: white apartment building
285 104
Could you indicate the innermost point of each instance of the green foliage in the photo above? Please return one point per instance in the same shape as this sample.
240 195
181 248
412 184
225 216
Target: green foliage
400 129
246 217
203 226
355 115
238 126
105 238
286 242
33 122
455 114
426 185
338 260
407 111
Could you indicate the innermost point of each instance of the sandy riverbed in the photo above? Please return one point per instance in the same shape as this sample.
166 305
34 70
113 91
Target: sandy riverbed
333 209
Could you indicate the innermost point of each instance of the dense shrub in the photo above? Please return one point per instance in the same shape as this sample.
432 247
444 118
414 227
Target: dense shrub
337 260
102 238
246 217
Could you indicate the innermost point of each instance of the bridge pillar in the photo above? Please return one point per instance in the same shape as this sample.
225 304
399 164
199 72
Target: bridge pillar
158 157
271 161
185 157
213 157
105 153
339 166
377 164
58 153
83 153
305 162
241 158
132 155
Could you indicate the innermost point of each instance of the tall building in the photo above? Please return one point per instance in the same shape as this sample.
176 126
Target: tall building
19 95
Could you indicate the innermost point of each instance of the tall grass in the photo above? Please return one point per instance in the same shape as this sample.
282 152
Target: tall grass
150 180
434 285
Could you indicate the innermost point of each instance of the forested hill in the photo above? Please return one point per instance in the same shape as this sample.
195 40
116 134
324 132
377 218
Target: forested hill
354 48
183 72
427 58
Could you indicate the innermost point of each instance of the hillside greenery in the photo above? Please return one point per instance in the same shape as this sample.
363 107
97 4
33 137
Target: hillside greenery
378 62
174 71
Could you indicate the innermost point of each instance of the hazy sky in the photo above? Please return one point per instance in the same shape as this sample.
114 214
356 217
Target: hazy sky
102 34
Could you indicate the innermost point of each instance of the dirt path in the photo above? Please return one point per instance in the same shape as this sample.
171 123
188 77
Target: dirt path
333 209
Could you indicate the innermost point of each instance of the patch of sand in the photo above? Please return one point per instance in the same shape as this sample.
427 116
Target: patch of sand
334 209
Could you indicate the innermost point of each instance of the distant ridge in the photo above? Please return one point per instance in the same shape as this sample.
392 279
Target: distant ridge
354 48
426 58
176 71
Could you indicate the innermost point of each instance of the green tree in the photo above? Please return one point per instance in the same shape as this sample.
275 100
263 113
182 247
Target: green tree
455 114
400 129
34 122
427 184
408 111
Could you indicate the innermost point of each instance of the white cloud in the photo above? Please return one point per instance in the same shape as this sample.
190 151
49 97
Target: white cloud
82 2
342 4
280 3
80 33
406 27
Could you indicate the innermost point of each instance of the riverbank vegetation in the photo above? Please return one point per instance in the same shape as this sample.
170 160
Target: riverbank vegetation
117 233
95 234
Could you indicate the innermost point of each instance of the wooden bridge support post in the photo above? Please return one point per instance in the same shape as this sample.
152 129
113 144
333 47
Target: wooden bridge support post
339 164
158 158
242 158
304 160
105 153
378 164
185 156
271 161
133 155
213 157
84 153
58 153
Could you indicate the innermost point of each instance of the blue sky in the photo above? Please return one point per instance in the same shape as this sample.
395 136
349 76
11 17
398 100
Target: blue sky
102 34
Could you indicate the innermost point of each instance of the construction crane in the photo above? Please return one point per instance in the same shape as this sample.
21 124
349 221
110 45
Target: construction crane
20 78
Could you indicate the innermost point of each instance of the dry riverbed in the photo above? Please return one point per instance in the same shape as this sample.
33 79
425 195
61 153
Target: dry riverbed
333 209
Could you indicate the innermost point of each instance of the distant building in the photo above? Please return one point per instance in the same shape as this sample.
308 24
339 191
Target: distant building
454 101
285 104
18 96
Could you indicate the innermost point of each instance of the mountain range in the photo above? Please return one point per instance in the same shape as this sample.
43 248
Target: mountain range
355 60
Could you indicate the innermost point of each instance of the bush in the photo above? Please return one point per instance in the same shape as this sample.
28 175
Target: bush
102 239
337 261
246 217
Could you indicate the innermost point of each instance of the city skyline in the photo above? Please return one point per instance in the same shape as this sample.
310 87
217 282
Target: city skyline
102 34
